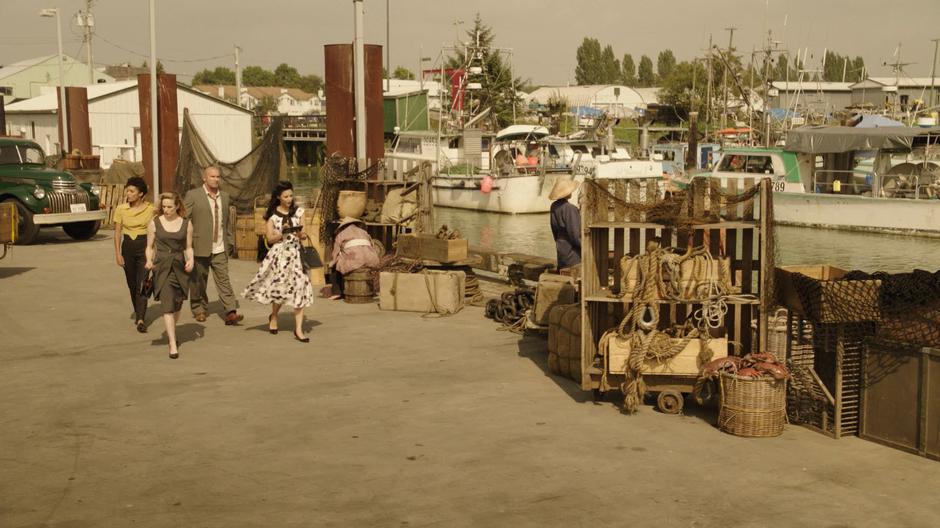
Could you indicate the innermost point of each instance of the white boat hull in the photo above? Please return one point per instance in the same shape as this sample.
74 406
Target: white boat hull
859 213
511 195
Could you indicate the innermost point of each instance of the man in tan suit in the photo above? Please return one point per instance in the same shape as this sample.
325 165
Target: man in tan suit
213 241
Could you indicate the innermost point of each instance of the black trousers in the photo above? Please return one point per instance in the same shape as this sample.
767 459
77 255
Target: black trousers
336 281
133 251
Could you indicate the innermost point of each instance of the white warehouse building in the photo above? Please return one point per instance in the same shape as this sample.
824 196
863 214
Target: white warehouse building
617 100
114 119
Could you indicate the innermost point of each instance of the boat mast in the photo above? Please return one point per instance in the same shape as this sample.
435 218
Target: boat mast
724 82
708 89
933 73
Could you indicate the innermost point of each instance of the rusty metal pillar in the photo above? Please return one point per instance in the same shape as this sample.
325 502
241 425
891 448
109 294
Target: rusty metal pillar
3 118
375 111
340 109
340 103
76 119
167 129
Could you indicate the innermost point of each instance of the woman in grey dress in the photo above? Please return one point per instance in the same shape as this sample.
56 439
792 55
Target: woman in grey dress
170 256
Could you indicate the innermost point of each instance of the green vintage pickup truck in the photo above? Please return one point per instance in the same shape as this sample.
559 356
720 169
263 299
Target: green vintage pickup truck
45 197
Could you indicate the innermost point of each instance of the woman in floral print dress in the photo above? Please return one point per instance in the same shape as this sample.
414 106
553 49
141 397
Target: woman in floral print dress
281 279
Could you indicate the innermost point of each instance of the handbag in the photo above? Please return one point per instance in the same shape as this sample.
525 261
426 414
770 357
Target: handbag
146 286
310 257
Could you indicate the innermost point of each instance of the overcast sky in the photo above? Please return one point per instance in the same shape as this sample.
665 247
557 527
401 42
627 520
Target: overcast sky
543 34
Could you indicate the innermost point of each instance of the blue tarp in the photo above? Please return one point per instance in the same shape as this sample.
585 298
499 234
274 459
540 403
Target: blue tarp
586 111
780 114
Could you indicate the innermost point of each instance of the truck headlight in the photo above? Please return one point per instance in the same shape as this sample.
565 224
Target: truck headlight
39 192
95 190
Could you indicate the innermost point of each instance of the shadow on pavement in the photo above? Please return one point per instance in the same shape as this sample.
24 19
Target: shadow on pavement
185 333
12 272
535 349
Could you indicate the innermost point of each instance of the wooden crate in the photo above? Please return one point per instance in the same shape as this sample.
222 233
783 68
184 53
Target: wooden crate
246 241
687 362
829 356
110 195
429 247
738 232
8 223
818 293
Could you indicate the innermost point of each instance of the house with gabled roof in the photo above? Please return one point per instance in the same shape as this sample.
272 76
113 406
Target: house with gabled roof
29 77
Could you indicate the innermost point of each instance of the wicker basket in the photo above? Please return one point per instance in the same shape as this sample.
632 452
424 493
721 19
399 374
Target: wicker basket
752 407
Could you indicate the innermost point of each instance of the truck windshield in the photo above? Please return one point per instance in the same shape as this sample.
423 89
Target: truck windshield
19 154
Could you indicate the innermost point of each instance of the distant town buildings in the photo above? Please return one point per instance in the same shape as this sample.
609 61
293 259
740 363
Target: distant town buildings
288 101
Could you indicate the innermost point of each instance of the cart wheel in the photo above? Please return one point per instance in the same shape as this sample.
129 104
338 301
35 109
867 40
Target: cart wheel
704 392
669 402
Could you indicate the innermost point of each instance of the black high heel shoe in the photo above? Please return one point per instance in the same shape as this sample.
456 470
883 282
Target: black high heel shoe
177 354
272 330
302 340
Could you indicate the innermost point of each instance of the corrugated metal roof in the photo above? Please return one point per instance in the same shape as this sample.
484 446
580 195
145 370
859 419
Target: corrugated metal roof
587 94
49 103
904 82
16 67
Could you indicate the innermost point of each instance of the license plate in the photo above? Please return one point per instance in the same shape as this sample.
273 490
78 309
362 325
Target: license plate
78 208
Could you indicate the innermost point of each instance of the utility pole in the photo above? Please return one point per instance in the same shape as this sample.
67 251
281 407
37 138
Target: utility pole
238 79
708 89
154 130
87 20
724 82
750 110
933 73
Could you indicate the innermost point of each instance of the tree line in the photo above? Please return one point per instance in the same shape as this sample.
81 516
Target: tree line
597 65
285 76
601 66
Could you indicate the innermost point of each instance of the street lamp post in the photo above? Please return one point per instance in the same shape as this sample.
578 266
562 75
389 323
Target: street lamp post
154 141
49 13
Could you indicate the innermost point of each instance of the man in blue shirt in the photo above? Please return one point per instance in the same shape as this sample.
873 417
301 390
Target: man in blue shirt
566 224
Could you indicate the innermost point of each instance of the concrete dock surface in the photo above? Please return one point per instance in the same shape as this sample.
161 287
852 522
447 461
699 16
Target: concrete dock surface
385 419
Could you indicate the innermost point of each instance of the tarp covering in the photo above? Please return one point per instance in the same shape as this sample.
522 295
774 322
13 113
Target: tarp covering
253 175
876 121
408 112
829 139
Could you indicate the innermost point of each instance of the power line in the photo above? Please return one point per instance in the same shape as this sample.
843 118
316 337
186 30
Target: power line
163 59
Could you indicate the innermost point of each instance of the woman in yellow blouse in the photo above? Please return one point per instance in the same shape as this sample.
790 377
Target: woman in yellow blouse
130 243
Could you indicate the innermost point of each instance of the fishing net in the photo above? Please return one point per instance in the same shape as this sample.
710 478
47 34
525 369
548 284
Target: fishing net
254 175
701 204
831 323
339 174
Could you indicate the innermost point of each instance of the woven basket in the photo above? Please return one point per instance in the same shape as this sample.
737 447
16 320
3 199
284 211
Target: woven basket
752 407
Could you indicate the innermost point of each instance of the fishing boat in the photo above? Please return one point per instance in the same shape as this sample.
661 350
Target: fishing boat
523 163
874 179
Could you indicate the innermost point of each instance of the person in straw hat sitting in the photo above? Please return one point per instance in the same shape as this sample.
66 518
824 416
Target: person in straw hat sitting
352 250
566 226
